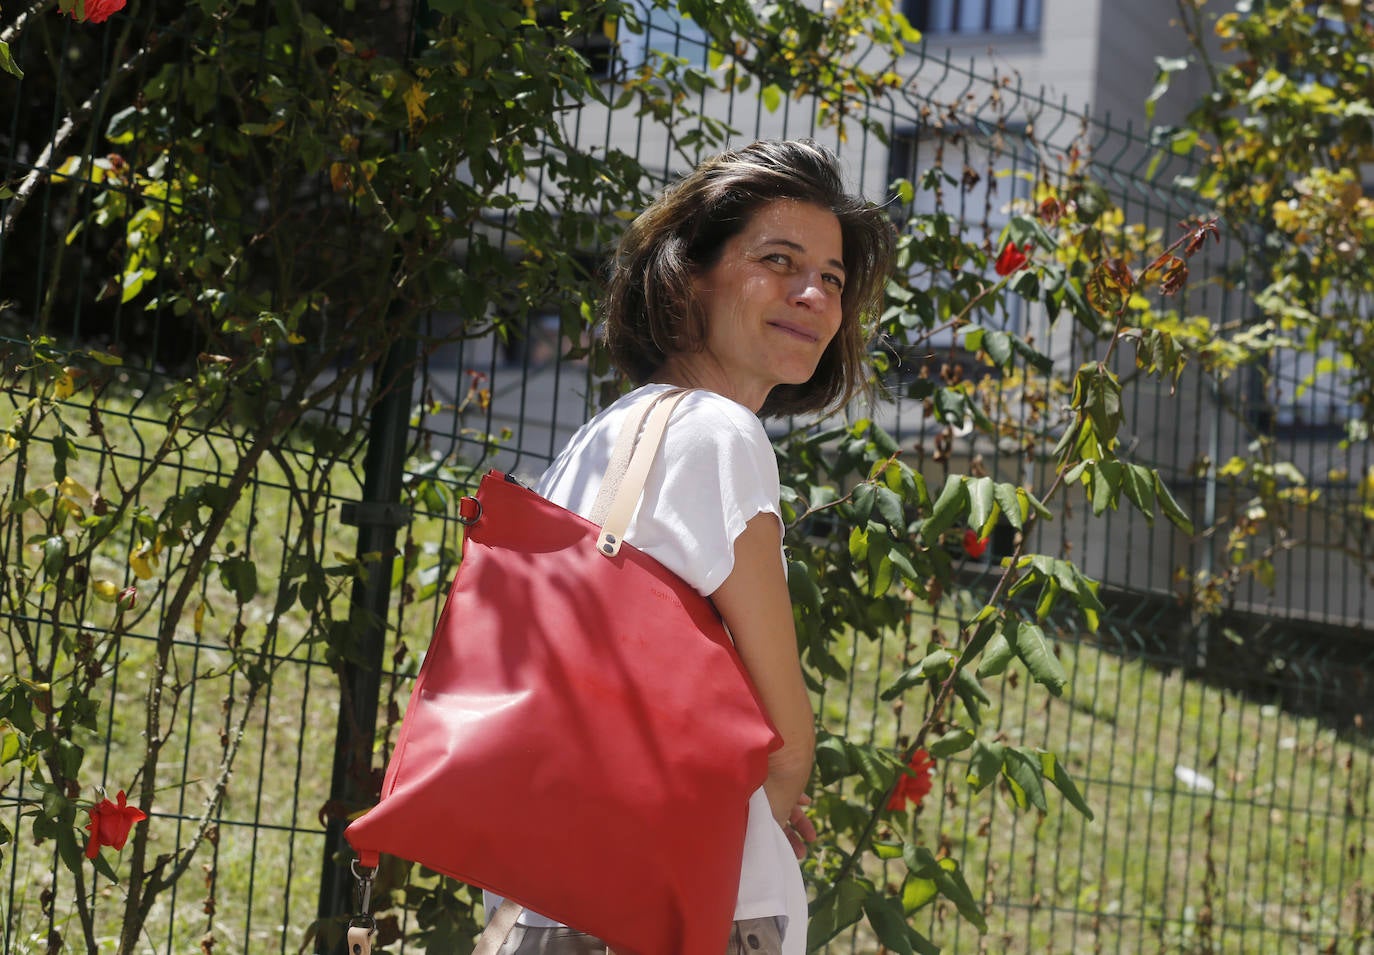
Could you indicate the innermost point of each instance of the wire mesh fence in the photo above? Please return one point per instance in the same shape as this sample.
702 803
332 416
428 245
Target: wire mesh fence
1226 755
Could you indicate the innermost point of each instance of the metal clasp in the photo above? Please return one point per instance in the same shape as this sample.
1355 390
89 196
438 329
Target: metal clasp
469 511
362 925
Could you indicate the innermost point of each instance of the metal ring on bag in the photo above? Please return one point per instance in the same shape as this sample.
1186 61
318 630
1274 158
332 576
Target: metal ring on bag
469 511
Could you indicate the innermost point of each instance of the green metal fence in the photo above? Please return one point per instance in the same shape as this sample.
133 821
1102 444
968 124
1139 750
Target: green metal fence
1227 757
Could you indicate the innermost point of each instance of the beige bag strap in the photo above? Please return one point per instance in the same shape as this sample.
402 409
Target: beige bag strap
623 482
499 928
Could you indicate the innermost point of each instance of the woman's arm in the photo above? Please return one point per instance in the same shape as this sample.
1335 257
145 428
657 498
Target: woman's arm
755 605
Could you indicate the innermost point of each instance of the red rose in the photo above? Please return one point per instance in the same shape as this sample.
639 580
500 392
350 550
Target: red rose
974 545
110 824
1011 258
915 782
96 11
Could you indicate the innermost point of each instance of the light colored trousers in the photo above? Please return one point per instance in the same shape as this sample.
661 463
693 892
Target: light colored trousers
750 937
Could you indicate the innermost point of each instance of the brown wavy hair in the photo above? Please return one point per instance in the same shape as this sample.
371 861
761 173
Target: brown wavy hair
651 308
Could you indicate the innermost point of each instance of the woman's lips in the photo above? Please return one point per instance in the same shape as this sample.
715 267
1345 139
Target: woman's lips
798 331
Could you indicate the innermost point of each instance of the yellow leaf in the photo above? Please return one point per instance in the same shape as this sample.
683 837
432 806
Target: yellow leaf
415 97
65 386
339 178
198 618
1367 487
73 489
143 561
106 590
295 338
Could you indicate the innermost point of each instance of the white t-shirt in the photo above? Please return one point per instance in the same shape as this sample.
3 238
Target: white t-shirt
714 472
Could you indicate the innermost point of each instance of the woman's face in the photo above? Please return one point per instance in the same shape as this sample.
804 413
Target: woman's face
771 301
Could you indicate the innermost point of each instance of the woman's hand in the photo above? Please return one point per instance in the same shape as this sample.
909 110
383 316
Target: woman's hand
799 828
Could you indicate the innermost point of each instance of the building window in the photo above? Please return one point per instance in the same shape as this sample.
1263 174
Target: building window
943 17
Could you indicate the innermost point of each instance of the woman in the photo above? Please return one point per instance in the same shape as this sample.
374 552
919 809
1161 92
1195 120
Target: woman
751 280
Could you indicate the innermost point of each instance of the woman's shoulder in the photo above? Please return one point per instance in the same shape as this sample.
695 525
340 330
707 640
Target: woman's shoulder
717 418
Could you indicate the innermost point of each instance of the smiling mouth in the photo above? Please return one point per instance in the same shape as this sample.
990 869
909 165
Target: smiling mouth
796 331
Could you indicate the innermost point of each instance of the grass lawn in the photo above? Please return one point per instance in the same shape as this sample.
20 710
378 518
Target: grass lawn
1222 823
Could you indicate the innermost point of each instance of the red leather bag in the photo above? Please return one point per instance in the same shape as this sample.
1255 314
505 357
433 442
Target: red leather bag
582 738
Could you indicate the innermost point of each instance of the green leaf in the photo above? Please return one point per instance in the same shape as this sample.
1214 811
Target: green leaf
1038 656
980 501
891 510
903 564
984 763
909 677
884 442
1170 507
887 850
858 544
998 654
54 555
1098 392
1013 504
239 575
1054 771
936 664
1106 485
880 580
1049 595
946 875
832 759
7 62
889 924
70 850
874 771
971 694
802 585
835 911
948 506
1022 770
1165 68
997 344
102 866
1036 359
955 741
917 892
69 758
1138 482
865 496
987 626
1035 504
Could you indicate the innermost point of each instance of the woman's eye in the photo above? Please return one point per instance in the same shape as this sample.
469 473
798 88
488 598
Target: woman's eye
835 280
778 258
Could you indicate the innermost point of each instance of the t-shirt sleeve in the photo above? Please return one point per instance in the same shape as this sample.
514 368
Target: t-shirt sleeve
715 472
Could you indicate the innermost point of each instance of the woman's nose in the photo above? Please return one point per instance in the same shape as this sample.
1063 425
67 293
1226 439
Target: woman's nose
808 291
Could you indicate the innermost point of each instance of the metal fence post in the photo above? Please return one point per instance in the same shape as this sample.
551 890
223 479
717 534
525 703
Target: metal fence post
377 516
